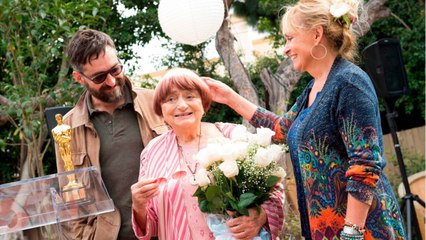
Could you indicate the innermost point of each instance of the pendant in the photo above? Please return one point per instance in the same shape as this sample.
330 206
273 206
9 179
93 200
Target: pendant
192 180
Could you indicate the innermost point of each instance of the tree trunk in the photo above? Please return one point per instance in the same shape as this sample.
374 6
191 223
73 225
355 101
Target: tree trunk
232 62
280 85
237 71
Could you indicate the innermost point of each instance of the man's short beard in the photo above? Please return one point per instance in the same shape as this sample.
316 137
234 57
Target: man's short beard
111 97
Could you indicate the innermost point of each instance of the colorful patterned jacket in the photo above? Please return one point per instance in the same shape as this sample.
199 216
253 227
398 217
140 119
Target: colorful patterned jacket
339 150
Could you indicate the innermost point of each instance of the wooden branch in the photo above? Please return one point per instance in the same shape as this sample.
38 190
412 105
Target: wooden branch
400 20
63 69
237 71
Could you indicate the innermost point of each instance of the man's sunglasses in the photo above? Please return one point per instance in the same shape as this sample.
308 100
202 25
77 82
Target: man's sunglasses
100 78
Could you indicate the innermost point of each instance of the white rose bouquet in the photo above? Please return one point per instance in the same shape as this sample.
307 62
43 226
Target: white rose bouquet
238 173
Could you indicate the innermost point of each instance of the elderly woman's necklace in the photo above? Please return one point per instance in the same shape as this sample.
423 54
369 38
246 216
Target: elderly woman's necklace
192 178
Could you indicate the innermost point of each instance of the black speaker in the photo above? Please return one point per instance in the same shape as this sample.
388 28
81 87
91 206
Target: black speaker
385 65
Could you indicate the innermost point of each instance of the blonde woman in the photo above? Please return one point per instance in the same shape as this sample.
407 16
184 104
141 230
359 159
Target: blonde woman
333 130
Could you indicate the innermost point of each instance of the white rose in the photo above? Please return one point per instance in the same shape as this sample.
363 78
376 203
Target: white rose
274 152
251 138
202 177
208 155
240 149
229 168
339 8
228 152
280 172
262 158
263 136
239 133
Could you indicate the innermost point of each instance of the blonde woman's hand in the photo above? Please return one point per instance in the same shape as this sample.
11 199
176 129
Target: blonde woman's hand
219 90
222 93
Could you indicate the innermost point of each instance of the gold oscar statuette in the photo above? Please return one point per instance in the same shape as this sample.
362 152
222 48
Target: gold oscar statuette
73 190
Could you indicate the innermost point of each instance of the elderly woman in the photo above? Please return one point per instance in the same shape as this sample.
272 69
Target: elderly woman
170 211
333 130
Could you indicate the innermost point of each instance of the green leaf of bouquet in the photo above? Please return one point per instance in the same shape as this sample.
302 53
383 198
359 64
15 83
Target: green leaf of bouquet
217 204
243 211
211 192
271 181
204 206
198 193
230 196
246 199
262 198
234 205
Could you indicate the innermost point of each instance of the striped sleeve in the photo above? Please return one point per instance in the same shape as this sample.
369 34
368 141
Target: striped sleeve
226 128
152 221
274 209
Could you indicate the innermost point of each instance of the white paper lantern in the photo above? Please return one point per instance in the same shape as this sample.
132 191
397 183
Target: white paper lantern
190 21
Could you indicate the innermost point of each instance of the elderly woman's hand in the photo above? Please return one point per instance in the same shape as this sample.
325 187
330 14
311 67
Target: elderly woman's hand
142 192
247 227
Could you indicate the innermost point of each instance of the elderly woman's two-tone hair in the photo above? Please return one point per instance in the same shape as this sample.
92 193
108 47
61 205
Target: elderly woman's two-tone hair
182 79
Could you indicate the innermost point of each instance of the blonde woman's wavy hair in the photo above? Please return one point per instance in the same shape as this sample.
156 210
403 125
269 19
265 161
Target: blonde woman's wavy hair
313 13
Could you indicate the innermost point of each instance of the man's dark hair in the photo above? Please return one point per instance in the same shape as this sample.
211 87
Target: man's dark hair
85 46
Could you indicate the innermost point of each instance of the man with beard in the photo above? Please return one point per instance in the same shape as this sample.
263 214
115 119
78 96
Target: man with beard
111 123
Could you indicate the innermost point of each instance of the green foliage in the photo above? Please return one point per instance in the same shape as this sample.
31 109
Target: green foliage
187 56
8 153
211 199
34 34
33 71
220 112
138 28
146 81
264 15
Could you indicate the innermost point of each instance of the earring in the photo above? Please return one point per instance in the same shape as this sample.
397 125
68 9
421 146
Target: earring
322 57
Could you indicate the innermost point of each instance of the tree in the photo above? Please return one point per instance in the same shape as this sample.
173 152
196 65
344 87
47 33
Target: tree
35 74
33 70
